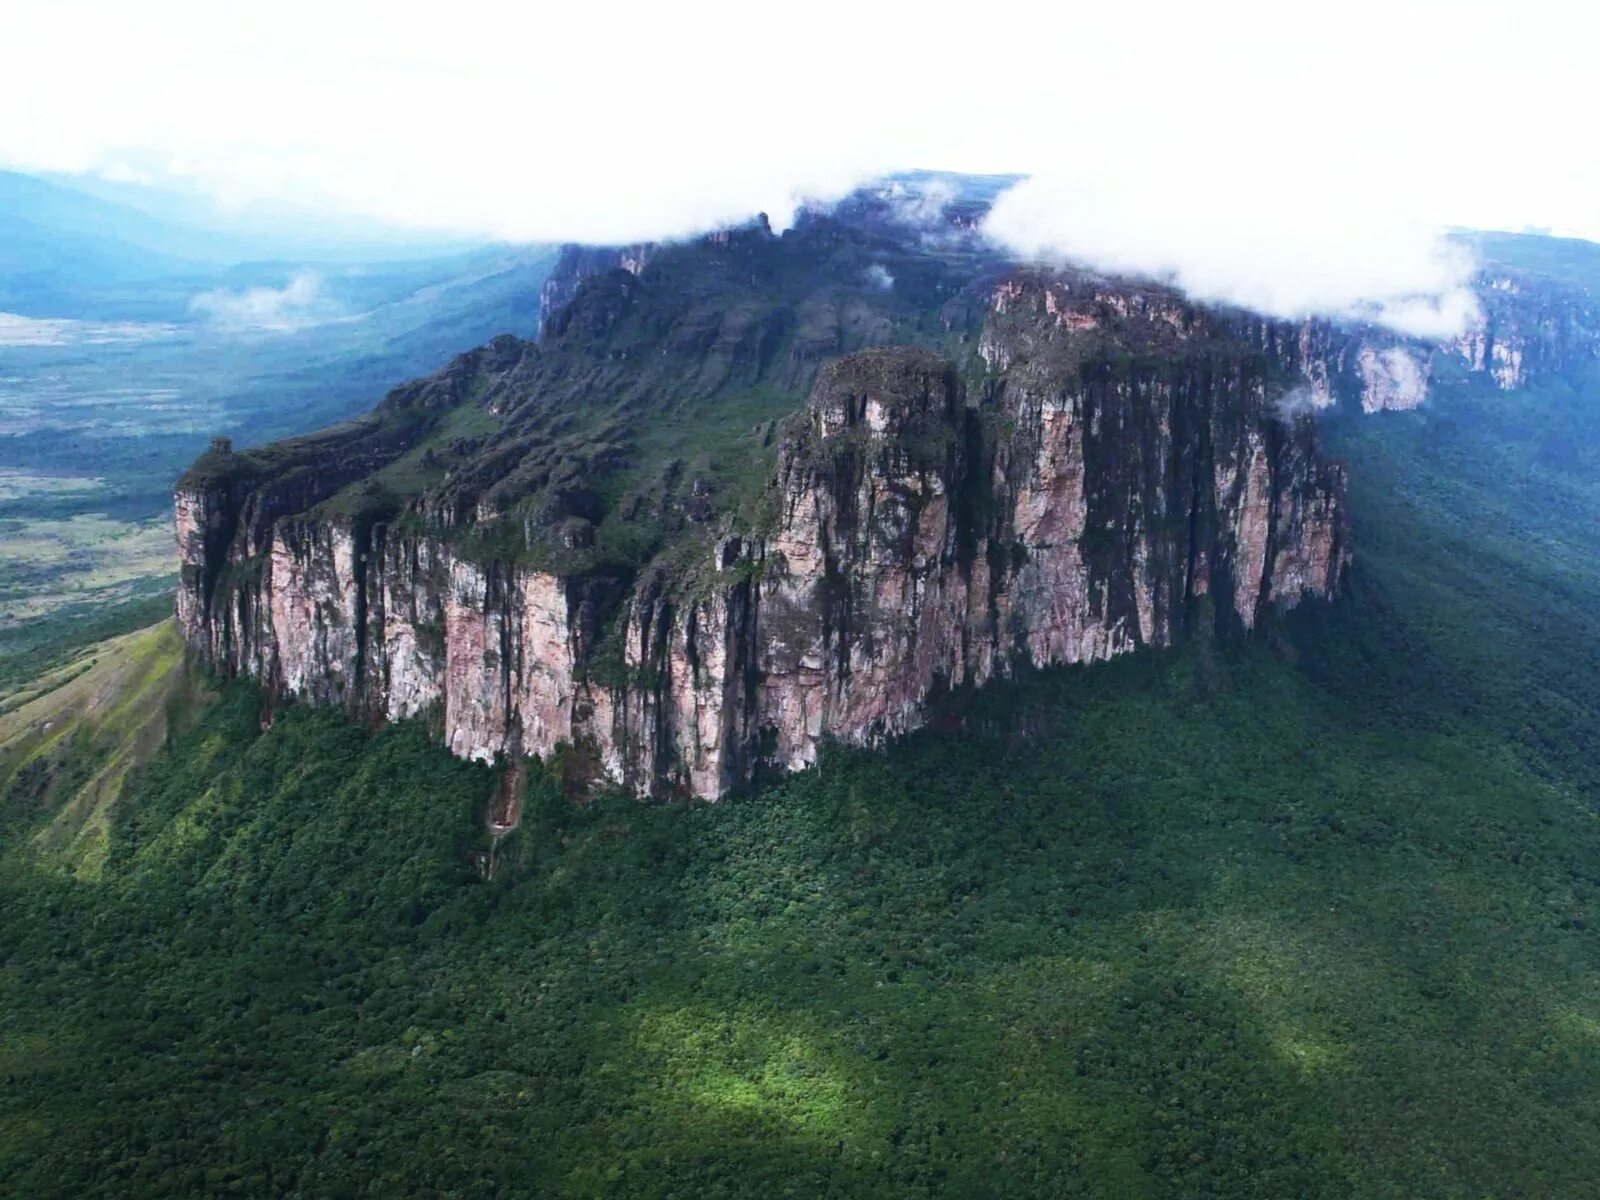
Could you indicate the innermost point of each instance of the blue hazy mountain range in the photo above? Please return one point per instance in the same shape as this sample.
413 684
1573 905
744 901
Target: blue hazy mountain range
125 251
95 231
247 323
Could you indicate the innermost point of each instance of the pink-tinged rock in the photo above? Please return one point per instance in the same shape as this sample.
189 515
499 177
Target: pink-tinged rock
925 539
1250 499
546 686
475 683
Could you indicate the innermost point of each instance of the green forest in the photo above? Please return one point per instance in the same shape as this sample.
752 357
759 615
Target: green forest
1307 914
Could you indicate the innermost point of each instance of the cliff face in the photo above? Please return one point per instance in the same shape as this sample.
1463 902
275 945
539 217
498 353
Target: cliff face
1530 329
1537 320
1100 469
578 263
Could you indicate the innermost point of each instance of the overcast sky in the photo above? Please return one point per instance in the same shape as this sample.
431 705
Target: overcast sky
1293 157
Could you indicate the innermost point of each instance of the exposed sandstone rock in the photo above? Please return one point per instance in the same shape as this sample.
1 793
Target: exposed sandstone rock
1118 477
1097 467
1529 329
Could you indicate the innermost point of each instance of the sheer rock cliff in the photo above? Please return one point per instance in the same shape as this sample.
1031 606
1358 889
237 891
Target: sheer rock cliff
1067 469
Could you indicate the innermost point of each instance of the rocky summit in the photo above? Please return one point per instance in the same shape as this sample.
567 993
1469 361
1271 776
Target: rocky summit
756 491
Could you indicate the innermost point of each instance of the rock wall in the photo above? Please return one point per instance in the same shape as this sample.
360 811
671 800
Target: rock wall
578 263
1119 476
1529 329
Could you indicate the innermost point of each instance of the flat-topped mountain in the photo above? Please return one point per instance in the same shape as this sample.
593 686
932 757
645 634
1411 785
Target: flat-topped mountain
755 491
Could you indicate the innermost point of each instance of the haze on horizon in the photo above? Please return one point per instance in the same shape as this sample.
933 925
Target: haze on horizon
1298 164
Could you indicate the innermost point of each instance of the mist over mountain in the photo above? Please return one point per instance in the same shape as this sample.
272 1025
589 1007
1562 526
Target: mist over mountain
1282 168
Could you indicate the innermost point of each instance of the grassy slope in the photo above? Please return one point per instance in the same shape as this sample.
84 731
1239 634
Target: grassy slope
70 737
1224 924
39 647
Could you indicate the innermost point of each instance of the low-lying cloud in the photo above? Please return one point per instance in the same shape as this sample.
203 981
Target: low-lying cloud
1249 151
1284 252
298 304
1299 402
918 203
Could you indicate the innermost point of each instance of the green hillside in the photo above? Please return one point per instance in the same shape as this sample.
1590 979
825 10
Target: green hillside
1305 916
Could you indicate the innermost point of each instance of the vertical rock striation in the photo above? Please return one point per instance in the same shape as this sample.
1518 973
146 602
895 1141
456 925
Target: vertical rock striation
1110 472
1529 329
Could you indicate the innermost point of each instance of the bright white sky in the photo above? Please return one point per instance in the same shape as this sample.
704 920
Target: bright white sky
1296 157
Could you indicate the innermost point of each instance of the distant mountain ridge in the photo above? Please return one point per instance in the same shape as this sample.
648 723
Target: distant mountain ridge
80 248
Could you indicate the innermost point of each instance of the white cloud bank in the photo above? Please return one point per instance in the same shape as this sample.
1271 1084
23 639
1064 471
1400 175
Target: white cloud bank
1290 157
1259 247
296 305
